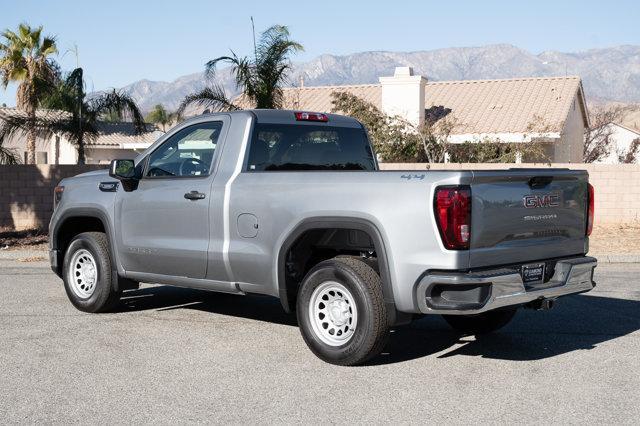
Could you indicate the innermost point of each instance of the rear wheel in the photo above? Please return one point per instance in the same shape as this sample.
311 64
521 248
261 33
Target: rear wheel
87 273
341 311
483 323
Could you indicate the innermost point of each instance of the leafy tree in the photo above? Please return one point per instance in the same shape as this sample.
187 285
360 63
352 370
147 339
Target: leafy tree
71 114
387 134
159 115
492 150
259 78
25 58
396 140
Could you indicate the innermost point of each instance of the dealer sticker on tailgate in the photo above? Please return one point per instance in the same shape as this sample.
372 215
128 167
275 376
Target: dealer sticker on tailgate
533 273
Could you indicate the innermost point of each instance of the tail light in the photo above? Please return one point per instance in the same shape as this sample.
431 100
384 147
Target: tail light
311 116
590 210
452 206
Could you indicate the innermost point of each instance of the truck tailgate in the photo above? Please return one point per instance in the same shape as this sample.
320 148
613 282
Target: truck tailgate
523 215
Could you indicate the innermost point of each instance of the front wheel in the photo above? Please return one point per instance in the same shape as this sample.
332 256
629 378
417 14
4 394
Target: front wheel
341 311
484 323
87 273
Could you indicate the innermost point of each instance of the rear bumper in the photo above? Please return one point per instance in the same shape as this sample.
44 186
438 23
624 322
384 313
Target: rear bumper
466 293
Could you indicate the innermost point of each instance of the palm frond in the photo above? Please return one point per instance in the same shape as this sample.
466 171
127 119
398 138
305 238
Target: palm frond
45 124
120 104
8 156
209 97
260 79
210 66
48 46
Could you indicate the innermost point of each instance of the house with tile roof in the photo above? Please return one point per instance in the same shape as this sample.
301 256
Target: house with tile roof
551 110
116 140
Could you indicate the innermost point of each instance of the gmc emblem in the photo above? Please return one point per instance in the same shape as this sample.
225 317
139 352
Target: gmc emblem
536 201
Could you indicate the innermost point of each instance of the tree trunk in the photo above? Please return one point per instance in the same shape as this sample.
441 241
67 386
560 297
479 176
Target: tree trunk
31 147
57 148
81 159
31 138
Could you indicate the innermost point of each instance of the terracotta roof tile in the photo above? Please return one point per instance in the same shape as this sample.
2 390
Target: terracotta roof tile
110 134
117 134
478 106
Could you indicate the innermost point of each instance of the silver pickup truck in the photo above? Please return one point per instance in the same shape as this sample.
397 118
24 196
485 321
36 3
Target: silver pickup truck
292 205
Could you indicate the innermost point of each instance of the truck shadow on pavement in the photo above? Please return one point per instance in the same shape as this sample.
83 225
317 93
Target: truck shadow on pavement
576 323
167 298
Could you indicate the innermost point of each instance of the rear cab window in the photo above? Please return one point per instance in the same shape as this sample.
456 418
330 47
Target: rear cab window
297 147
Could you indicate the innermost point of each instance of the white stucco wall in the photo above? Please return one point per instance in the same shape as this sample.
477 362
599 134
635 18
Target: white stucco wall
569 149
105 155
66 155
621 139
403 95
18 144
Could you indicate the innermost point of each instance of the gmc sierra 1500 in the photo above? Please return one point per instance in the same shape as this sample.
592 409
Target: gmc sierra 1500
292 205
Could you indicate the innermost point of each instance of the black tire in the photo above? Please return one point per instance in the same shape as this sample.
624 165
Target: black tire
484 323
372 329
104 297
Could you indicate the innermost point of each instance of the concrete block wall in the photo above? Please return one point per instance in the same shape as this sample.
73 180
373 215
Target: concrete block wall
616 186
26 193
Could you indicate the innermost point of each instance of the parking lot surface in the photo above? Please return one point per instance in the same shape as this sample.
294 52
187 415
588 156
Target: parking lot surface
178 355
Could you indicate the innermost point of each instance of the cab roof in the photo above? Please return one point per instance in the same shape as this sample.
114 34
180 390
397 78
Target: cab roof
281 116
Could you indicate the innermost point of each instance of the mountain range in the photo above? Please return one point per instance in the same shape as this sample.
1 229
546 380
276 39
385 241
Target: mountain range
609 74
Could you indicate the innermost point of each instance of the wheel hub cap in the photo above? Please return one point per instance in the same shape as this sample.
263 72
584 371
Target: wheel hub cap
83 274
333 313
339 312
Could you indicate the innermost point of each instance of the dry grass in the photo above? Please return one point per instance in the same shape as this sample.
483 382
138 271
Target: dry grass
32 259
615 239
33 239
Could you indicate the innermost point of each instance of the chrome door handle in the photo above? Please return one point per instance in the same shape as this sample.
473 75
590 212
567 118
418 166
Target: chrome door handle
194 195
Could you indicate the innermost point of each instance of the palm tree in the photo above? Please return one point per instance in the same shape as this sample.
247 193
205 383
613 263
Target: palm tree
71 114
159 115
7 155
260 78
24 58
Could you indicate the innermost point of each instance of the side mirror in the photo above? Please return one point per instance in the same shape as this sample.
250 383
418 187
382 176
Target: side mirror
123 170
126 172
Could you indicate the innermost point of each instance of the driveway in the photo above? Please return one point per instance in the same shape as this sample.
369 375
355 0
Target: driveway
178 355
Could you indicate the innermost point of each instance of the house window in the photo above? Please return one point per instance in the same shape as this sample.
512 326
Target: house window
41 157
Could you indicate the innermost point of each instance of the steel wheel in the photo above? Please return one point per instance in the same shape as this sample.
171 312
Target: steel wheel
333 313
83 274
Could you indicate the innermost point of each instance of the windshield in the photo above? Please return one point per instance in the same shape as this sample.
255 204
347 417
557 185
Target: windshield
277 147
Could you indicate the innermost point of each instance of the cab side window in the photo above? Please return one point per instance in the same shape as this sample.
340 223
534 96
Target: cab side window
187 153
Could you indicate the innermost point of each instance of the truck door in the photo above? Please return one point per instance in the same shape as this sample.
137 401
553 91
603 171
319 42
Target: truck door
162 226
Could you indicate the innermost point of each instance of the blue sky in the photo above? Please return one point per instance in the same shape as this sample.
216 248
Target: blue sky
123 41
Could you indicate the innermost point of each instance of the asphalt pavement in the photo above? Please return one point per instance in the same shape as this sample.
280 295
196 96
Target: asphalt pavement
177 355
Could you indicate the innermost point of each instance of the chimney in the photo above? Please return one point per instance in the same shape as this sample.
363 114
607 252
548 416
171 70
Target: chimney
403 95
